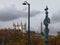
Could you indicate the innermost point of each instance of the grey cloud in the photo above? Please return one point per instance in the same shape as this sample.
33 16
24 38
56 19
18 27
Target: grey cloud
54 28
33 13
56 17
55 23
11 13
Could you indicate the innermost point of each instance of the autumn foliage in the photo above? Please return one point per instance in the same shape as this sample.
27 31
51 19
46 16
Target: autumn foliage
11 37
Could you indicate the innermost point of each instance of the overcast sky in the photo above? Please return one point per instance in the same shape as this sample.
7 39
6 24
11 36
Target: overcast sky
13 11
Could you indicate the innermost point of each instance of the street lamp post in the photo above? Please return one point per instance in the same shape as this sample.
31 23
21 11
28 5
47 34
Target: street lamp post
26 3
46 23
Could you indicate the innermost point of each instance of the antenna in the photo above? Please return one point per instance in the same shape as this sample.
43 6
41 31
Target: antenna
41 27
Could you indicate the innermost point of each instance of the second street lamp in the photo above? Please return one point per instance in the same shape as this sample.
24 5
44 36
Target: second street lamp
46 23
26 3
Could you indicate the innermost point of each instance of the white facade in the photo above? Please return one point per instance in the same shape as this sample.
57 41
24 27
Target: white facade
20 27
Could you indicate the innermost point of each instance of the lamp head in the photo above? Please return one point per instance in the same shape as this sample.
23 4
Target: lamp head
24 3
46 8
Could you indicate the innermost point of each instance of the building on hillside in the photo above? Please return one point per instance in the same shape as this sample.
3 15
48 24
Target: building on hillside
58 33
20 27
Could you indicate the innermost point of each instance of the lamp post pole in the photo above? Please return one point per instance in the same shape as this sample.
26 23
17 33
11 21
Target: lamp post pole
28 24
26 3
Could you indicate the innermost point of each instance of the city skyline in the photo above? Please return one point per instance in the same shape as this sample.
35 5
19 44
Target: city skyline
13 11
